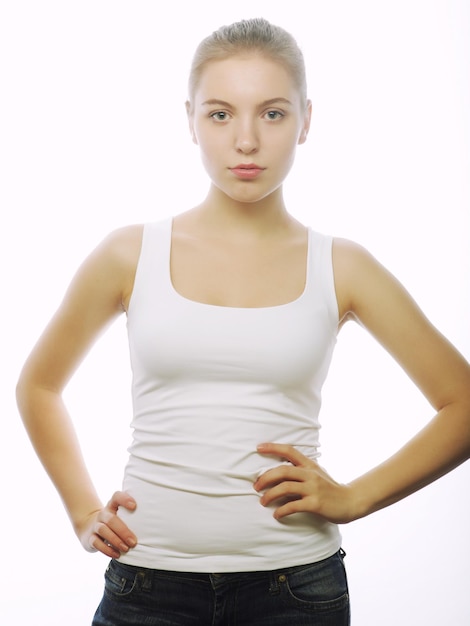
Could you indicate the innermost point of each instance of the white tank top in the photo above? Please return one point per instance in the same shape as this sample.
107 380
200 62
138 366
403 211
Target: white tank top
209 384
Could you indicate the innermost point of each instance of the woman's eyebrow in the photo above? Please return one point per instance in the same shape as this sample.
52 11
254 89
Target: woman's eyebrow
218 102
279 100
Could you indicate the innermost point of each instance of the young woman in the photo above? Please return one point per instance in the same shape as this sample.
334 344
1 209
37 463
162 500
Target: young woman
233 307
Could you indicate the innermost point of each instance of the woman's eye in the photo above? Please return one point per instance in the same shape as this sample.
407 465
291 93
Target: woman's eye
274 115
219 116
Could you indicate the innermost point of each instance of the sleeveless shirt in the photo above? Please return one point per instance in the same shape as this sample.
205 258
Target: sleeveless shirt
209 384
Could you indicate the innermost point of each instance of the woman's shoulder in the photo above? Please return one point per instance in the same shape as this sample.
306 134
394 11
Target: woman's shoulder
120 251
354 264
124 240
347 252
356 272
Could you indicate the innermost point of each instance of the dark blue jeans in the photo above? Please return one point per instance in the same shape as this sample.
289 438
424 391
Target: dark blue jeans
307 595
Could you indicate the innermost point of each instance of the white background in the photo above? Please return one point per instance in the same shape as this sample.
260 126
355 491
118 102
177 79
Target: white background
93 136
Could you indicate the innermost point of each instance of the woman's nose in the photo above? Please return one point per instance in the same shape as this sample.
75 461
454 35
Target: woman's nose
247 138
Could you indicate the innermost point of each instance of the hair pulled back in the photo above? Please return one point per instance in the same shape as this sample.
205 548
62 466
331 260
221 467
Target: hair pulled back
255 35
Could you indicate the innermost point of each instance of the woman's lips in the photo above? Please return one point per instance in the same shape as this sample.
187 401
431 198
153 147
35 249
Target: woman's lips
247 171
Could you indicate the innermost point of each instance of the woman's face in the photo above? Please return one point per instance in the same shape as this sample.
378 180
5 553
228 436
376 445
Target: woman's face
247 117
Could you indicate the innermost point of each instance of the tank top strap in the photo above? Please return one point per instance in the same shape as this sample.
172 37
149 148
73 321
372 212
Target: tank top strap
320 274
155 253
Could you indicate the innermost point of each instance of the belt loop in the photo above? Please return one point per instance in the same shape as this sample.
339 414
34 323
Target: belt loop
274 587
145 579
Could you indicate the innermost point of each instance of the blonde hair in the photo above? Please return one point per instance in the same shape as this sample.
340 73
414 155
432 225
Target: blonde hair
254 35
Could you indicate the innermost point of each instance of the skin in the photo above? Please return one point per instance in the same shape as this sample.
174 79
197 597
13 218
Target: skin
242 225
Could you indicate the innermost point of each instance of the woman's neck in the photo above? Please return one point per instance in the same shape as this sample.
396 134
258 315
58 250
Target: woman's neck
221 215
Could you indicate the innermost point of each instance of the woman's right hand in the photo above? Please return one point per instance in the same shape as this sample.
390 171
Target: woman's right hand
103 530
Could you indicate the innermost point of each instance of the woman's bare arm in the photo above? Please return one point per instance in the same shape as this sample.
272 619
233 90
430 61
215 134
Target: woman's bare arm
383 306
97 295
368 293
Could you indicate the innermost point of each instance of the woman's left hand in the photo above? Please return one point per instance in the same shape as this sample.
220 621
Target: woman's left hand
303 487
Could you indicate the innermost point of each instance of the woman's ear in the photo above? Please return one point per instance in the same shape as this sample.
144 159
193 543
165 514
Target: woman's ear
190 121
306 125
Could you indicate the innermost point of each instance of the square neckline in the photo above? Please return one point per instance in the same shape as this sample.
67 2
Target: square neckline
184 298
